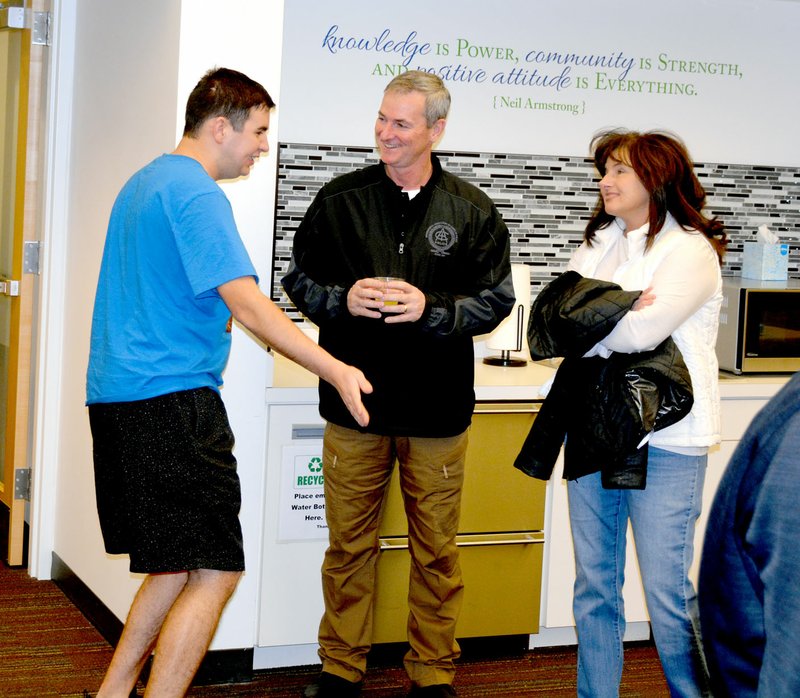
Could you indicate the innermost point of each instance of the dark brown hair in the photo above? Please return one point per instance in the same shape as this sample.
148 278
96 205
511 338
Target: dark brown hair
224 92
662 163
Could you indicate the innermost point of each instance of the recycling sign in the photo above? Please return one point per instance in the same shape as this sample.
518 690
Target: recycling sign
302 506
311 474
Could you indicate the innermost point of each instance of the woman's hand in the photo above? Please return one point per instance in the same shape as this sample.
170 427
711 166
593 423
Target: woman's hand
645 299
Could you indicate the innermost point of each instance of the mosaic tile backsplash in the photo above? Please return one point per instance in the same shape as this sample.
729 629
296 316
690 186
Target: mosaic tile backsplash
546 201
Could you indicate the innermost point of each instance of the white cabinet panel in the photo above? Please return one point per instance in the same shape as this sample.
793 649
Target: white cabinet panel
718 459
290 606
736 415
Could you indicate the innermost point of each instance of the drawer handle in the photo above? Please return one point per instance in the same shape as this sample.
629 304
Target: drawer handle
307 431
507 408
473 541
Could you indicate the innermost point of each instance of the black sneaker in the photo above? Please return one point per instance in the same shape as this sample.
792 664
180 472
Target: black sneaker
332 686
437 690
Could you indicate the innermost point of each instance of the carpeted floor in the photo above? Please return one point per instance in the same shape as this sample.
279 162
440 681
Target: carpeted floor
47 648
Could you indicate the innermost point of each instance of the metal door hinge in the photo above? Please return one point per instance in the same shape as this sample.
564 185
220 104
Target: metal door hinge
22 484
20 18
40 30
30 256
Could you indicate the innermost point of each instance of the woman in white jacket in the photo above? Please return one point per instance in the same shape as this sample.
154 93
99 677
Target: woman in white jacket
648 231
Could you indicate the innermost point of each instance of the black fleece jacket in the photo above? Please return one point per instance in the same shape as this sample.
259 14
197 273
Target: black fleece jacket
603 407
451 243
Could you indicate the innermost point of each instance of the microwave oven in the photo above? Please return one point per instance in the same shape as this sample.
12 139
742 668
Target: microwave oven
759 326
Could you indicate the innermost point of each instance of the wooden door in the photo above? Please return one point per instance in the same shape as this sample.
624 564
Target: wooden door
22 77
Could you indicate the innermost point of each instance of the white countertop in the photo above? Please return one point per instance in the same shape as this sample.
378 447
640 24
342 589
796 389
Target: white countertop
294 384
749 386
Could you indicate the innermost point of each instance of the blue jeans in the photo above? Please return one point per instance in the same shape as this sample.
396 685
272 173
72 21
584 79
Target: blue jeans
662 517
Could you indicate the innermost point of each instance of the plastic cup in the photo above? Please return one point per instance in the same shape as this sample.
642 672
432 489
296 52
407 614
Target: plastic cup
386 280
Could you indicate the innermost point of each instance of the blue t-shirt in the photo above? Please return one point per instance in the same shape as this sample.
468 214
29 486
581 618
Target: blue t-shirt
159 324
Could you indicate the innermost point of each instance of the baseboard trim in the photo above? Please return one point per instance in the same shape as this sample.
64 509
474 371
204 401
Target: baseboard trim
96 612
218 666
225 666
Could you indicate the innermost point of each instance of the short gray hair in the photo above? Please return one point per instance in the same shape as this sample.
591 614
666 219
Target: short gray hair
437 96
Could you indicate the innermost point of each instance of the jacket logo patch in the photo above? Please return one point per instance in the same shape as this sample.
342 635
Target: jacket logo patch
441 237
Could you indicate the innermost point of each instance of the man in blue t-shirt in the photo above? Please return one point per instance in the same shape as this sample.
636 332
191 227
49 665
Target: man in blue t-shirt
174 273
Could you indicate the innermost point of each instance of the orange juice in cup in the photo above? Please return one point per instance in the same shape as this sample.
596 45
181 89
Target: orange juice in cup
386 280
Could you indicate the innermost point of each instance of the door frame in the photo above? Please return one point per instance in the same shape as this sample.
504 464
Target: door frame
54 202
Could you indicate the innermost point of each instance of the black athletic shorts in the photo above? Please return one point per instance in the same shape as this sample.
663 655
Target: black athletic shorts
165 477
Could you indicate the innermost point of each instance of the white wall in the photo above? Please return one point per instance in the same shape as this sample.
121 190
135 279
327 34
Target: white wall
247 37
117 102
123 108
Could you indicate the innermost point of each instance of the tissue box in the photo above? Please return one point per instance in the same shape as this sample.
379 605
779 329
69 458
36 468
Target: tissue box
765 261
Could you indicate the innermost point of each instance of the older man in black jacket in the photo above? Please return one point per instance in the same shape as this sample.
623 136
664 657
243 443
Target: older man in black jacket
413 338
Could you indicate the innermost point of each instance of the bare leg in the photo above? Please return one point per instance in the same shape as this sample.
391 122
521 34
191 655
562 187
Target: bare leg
187 631
181 611
151 605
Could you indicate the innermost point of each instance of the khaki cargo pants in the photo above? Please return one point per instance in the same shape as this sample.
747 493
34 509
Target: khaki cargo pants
358 469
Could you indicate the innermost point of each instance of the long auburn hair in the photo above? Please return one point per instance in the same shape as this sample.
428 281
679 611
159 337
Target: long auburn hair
662 163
